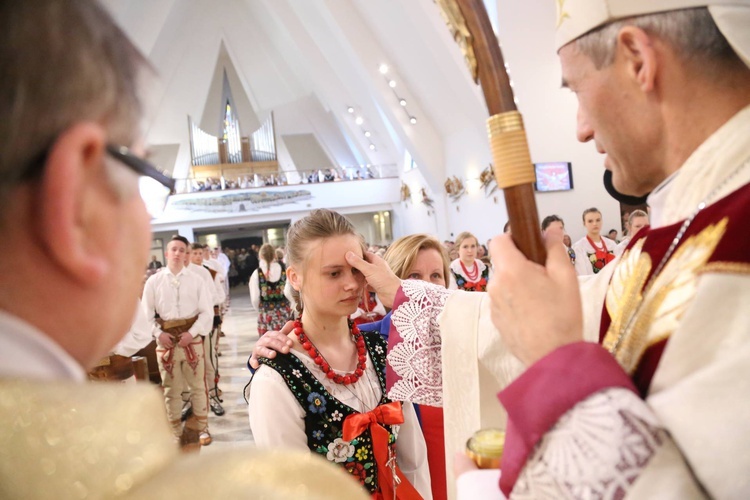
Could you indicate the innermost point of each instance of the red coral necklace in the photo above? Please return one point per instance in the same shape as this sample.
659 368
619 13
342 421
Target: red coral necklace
319 360
473 275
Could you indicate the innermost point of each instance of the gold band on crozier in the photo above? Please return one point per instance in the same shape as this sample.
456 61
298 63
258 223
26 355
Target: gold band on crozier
510 150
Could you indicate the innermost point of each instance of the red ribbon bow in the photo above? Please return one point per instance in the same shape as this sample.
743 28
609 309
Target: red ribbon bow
389 414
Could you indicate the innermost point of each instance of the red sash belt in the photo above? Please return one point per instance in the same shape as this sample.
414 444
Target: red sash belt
390 414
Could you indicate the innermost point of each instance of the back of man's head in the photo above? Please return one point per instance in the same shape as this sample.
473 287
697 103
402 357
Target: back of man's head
61 62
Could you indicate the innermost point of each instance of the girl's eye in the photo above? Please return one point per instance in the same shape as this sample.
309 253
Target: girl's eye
437 276
334 274
414 276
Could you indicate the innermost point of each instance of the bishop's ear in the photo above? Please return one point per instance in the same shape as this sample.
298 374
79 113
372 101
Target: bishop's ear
637 50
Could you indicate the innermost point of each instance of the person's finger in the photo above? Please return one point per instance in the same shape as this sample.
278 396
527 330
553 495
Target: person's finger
558 261
359 263
254 364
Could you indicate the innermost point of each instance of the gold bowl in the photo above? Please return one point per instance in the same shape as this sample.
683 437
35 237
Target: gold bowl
485 447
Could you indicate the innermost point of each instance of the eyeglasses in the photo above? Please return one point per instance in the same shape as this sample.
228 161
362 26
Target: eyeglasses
154 185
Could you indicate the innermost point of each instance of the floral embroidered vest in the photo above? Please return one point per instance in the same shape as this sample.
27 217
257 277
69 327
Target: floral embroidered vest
271 292
479 286
325 415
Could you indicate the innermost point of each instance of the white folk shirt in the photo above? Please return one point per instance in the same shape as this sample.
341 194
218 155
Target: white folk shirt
138 337
273 275
178 297
583 248
205 275
27 353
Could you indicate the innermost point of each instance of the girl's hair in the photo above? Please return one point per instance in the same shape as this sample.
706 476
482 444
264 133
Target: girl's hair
267 253
320 224
403 252
464 236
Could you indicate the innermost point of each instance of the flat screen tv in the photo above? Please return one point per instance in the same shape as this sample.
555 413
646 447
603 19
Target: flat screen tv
553 176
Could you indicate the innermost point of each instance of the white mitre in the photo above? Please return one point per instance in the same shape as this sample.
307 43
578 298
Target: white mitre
578 17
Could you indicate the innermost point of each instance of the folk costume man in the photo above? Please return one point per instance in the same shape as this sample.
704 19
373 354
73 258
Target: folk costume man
178 302
635 387
210 340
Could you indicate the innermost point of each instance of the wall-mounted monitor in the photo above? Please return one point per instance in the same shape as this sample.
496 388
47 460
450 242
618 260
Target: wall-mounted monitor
553 176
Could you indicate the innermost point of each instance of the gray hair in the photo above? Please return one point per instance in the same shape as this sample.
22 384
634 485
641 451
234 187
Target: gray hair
692 33
61 62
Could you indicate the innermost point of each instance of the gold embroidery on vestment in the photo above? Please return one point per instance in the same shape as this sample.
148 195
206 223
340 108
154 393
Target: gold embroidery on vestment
642 317
726 268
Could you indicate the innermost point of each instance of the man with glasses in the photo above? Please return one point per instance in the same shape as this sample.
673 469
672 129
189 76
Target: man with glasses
70 176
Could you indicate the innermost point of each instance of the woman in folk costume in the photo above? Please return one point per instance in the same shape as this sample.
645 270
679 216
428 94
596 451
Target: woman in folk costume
593 251
267 292
328 394
470 273
422 257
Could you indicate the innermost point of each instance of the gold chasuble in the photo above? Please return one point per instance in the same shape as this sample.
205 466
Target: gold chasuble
67 440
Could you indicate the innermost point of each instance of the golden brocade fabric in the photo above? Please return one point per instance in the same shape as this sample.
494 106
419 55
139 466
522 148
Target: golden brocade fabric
644 313
66 440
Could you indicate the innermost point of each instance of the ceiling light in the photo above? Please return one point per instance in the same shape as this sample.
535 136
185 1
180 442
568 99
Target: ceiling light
367 133
383 69
350 109
402 102
412 120
372 147
359 120
392 83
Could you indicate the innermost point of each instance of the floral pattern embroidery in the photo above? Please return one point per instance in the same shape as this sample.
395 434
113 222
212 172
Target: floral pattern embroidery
297 373
317 403
325 414
339 450
362 454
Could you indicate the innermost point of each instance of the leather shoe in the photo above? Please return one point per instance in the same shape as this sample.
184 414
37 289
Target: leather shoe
216 406
205 438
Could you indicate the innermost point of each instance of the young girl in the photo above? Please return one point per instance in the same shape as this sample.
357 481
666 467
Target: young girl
267 292
593 251
470 273
328 394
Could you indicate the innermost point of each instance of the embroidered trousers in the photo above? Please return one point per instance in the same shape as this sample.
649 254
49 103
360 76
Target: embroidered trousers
184 373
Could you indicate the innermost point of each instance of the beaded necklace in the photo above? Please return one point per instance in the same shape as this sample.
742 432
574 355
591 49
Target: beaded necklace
319 360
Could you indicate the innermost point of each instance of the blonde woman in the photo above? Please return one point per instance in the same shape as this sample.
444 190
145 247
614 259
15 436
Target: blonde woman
328 394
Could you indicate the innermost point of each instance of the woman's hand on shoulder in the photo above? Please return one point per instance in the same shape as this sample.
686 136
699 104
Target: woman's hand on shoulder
270 343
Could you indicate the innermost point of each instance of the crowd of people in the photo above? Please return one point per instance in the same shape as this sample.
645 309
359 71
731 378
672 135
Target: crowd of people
614 373
279 179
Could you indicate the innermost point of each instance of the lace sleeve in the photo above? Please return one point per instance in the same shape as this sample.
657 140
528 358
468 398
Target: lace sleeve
414 360
596 450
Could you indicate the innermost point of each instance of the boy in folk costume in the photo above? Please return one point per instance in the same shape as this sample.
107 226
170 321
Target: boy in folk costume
178 303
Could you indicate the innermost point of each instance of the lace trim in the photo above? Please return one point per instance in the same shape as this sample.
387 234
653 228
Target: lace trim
596 450
415 356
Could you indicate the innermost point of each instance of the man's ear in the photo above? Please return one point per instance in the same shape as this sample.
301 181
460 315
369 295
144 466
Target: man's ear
635 49
69 192
295 279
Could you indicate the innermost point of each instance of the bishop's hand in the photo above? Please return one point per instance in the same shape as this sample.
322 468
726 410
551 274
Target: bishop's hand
536 308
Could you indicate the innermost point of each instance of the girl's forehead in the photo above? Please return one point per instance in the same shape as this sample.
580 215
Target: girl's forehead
334 248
